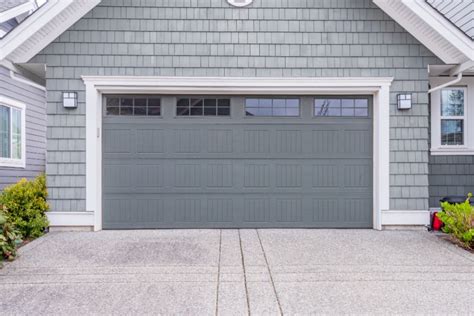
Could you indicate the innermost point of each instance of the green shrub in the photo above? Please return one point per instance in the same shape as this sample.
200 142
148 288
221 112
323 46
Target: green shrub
9 239
458 220
25 205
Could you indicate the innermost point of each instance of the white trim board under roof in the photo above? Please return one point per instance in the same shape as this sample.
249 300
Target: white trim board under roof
431 28
40 29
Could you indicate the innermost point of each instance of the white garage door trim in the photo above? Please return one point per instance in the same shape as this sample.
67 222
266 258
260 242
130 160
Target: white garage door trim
379 87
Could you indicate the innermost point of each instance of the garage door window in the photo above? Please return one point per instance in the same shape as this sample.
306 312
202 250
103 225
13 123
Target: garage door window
272 107
137 105
202 107
343 107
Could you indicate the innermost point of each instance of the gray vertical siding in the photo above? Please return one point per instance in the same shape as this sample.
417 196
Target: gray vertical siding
320 38
35 100
450 175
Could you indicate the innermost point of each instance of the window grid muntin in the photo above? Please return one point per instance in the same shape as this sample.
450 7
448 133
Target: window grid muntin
272 107
202 107
460 139
341 107
132 105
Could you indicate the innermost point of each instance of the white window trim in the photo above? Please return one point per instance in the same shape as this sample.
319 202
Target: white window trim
468 147
379 87
10 162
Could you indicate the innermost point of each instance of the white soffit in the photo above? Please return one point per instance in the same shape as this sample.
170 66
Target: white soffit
432 29
43 27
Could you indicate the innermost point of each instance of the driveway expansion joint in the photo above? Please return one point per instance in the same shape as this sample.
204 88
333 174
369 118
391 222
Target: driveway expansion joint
245 275
269 272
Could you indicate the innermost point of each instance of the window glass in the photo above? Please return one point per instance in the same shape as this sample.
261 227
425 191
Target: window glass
202 107
342 107
4 132
10 132
452 102
16 134
452 116
272 107
139 105
452 132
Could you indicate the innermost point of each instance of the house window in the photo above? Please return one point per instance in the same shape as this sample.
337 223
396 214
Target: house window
202 107
272 107
12 133
452 117
133 105
341 107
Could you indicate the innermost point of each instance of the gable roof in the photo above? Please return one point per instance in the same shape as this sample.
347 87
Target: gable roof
431 28
51 20
428 24
459 12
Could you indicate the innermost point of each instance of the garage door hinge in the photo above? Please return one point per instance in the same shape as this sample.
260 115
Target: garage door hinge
98 132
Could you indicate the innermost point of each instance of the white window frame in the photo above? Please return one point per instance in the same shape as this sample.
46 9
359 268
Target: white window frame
11 162
467 84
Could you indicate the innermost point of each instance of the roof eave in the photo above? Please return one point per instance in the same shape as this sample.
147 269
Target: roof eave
431 29
50 21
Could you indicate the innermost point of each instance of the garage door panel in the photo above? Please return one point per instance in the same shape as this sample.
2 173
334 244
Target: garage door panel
150 141
237 172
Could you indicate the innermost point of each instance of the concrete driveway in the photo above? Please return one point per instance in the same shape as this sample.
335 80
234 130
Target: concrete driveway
203 272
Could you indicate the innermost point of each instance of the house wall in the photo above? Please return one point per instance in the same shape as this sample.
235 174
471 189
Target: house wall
35 100
339 38
450 175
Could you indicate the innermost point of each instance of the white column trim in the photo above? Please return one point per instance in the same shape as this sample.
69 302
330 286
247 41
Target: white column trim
97 85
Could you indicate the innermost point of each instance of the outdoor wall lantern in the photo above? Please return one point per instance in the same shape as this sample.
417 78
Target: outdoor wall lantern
70 100
404 101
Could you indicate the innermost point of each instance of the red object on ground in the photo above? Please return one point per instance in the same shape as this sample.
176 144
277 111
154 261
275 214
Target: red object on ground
437 223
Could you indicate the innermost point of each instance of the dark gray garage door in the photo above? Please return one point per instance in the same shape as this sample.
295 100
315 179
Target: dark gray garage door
194 162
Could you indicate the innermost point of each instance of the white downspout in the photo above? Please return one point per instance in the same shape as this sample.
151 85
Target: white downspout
447 84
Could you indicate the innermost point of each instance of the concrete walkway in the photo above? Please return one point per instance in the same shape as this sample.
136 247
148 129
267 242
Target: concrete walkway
204 272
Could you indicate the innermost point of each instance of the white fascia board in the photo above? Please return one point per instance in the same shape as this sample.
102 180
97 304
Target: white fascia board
42 27
78 9
438 22
23 32
422 21
16 11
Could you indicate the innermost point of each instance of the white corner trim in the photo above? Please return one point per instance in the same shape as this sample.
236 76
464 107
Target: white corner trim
379 88
70 218
26 81
402 217
9 162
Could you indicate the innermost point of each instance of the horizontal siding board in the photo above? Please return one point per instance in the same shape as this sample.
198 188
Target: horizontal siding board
35 100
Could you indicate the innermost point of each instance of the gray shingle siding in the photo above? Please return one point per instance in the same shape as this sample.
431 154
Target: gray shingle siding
35 100
337 38
450 175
